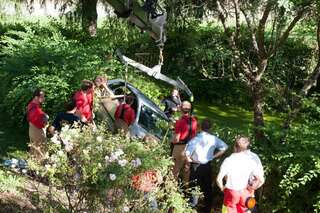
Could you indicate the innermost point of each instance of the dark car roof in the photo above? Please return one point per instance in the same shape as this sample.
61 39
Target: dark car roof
140 96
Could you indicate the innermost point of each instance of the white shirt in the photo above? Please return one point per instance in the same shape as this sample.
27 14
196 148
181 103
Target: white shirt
259 168
238 168
201 148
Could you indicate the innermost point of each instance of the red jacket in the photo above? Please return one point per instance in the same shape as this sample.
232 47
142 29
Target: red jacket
182 127
36 116
128 114
84 102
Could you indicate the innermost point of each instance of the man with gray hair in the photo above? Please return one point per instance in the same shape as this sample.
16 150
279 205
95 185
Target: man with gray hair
244 174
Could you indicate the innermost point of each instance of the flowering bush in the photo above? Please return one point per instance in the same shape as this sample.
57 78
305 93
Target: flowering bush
101 172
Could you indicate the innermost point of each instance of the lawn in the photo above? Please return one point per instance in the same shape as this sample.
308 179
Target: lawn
231 116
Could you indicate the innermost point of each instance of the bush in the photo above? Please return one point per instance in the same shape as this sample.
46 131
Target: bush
99 171
293 170
44 58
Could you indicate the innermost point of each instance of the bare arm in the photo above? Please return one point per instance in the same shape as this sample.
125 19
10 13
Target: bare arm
176 138
255 183
219 154
219 181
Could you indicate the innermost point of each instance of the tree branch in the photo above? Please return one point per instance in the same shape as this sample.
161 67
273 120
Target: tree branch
286 33
222 16
272 34
313 77
252 30
237 11
261 29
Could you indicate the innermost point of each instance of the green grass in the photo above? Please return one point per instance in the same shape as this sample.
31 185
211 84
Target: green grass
231 116
10 182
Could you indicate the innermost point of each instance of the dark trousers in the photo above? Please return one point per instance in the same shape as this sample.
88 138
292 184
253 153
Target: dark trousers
201 175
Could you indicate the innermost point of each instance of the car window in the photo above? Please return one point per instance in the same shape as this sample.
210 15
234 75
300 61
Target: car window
152 122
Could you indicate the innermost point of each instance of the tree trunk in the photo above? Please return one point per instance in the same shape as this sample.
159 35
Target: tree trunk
258 99
258 121
89 16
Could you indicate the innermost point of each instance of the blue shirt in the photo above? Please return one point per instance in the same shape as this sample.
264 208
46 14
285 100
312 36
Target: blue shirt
202 147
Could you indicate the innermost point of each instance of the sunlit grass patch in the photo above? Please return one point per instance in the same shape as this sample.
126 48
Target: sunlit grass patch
231 116
10 183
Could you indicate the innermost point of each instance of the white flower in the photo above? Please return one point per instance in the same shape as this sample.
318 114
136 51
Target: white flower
100 139
74 132
65 128
60 153
54 165
55 139
86 152
122 162
68 147
65 138
53 158
136 163
112 177
24 171
126 209
47 166
99 165
118 153
107 158
113 157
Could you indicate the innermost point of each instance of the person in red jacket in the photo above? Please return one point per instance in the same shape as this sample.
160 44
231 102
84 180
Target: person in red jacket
185 129
84 101
125 115
37 121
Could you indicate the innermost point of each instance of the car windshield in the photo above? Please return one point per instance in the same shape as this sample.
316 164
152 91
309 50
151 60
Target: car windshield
152 122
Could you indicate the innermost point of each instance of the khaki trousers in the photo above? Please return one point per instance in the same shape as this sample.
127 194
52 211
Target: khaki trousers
37 142
105 112
180 162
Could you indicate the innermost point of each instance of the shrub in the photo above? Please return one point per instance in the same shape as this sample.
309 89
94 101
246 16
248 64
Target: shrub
96 171
43 57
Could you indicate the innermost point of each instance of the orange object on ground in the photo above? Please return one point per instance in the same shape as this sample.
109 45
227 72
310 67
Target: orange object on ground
146 181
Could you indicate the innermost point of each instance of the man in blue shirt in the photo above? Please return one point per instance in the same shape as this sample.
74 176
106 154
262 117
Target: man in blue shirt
200 151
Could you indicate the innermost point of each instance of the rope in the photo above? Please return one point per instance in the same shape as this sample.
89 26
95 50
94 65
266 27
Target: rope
161 54
125 82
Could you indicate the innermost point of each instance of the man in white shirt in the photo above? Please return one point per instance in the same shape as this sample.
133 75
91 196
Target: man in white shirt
200 151
244 174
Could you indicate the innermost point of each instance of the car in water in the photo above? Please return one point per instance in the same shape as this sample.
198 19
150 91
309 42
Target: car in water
150 119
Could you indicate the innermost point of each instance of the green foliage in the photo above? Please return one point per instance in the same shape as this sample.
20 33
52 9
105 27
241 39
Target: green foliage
10 183
42 57
57 57
293 169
